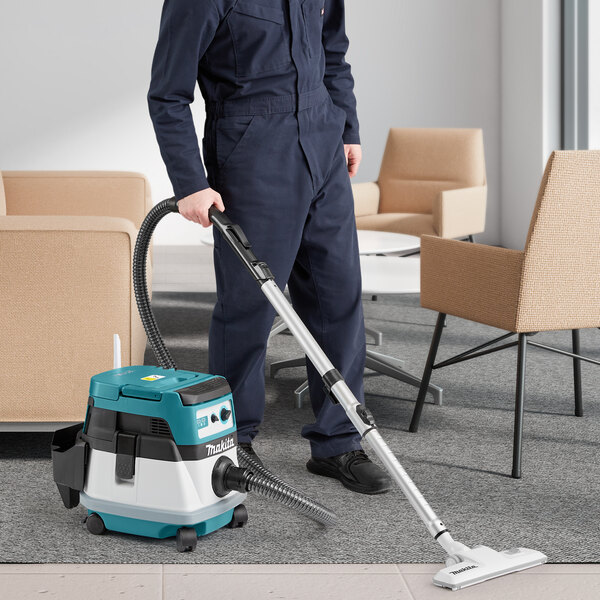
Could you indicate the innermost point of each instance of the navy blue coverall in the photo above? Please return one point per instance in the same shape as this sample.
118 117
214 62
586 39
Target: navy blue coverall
279 107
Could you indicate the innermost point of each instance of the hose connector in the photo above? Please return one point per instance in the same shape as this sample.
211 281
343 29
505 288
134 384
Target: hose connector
172 204
226 477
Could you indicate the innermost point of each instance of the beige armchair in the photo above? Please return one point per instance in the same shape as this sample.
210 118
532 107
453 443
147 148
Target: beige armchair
431 181
66 245
554 284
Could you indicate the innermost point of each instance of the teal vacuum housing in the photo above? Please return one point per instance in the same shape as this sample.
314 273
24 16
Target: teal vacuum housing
141 461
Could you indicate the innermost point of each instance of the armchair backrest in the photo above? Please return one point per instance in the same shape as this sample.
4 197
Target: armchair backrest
78 193
420 163
560 286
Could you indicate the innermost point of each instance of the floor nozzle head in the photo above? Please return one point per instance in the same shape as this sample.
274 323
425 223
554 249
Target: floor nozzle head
481 563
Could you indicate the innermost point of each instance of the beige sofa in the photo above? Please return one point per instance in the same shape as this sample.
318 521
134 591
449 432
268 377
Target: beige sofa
431 181
66 245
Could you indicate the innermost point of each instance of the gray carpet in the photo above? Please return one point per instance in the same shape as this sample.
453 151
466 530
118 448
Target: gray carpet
460 459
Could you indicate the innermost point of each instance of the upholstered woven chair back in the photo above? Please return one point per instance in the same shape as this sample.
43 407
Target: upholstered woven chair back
560 286
419 163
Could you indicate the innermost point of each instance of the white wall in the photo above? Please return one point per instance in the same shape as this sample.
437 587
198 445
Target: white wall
75 76
530 108
428 63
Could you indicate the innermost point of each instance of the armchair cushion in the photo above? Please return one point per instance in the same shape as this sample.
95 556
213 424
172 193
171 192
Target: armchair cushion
472 281
410 224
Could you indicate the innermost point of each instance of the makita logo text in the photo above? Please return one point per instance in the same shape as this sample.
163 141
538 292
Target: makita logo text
463 569
222 446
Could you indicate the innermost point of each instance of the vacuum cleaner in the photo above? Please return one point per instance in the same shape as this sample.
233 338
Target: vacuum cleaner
165 403
157 453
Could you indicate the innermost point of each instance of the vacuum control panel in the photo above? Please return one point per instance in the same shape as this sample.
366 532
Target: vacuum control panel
214 419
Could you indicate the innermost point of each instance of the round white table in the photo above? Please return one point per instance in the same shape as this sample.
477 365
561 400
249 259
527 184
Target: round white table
385 242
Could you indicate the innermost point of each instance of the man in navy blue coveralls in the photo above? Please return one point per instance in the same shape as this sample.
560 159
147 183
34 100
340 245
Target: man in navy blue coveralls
280 138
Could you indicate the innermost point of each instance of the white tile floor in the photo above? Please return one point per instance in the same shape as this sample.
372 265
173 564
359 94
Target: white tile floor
289 582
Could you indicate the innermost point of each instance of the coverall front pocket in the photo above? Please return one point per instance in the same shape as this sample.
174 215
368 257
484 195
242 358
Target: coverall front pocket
313 11
232 134
260 38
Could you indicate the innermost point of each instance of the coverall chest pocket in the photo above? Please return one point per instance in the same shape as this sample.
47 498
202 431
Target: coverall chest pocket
313 12
260 38
232 136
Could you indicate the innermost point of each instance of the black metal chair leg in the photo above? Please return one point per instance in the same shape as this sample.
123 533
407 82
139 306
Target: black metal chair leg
577 375
435 342
519 402
470 238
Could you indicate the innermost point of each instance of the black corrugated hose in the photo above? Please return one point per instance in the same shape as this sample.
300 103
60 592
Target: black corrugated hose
258 479
263 482
140 287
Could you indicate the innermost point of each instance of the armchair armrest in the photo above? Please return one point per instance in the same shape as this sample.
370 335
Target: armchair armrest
366 198
460 213
473 281
84 193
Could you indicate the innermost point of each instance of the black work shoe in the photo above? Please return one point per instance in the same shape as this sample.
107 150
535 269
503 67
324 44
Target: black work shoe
354 469
249 450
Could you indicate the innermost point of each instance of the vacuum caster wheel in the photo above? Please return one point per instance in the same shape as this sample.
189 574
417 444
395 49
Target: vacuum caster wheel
240 517
95 524
186 539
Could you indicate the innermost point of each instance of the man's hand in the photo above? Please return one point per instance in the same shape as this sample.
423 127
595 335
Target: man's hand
353 157
195 206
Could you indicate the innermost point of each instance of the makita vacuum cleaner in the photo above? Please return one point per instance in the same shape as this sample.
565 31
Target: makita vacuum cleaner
156 455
